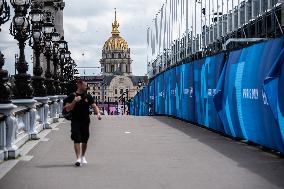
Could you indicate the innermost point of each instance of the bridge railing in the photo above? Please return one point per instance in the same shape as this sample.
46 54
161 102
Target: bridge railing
21 123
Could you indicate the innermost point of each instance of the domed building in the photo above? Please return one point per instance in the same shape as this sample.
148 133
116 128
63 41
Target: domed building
116 54
117 78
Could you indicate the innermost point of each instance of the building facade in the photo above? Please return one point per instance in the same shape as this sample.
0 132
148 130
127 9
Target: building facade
116 65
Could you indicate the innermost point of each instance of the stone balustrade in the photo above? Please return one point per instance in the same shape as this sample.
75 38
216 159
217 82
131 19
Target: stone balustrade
21 121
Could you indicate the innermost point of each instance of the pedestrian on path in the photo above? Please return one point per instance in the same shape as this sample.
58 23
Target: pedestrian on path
79 103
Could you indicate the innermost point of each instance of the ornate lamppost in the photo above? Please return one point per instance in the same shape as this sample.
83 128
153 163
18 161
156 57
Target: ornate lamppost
6 107
36 42
68 69
48 29
55 39
20 29
5 95
63 47
23 91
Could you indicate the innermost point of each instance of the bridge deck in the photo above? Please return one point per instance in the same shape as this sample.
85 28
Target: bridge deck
146 152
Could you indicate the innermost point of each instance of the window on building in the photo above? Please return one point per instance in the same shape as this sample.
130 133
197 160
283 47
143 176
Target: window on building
112 55
121 91
119 55
115 91
112 68
99 88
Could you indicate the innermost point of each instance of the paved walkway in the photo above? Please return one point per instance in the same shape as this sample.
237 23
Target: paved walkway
146 153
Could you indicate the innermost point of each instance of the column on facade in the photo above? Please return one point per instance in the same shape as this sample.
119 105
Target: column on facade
123 65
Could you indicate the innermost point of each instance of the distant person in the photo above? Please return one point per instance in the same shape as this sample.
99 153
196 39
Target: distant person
79 103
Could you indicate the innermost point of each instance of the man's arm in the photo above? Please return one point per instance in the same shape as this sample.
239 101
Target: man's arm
96 109
70 106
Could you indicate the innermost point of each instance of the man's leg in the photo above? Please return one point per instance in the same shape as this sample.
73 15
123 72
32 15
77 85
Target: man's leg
85 138
77 148
84 148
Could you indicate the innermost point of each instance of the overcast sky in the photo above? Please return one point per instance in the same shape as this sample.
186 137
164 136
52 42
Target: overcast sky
87 25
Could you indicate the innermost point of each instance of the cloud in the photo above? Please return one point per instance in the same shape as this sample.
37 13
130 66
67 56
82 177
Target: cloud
87 25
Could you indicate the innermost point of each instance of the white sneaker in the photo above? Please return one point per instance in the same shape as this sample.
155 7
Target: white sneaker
83 160
78 162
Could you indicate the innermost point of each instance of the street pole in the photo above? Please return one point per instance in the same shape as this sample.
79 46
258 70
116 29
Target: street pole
108 105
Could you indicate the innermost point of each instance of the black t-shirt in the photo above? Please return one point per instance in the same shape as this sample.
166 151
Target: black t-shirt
81 111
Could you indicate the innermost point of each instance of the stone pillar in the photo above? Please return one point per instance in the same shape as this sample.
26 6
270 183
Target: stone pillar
9 131
60 105
2 140
54 109
124 68
44 112
30 120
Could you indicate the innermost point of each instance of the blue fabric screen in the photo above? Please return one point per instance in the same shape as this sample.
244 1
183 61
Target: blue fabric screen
245 111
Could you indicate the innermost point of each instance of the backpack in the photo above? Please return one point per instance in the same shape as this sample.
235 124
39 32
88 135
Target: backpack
67 115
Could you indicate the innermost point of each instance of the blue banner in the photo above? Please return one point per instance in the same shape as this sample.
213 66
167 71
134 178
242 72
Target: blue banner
209 72
151 97
244 110
131 108
273 86
240 94
136 104
187 96
167 94
172 85
160 95
146 101
178 91
198 91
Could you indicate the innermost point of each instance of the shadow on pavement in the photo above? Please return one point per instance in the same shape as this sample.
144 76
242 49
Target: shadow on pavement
55 166
268 166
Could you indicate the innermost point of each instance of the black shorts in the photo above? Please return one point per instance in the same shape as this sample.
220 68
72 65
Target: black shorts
80 132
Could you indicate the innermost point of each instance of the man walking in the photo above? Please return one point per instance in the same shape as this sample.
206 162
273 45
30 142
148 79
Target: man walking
79 103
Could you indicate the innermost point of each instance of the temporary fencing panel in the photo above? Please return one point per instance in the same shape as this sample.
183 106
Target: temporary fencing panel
160 95
206 75
245 111
274 89
151 97
188 96
242 96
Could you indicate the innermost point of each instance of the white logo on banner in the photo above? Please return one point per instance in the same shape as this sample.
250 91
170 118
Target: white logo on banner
253 94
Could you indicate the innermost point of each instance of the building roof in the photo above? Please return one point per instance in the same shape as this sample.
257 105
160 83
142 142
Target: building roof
115 42
107 79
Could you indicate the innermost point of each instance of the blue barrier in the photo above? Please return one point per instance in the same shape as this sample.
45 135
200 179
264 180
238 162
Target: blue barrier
151 97
273 86
187 99
136 103
172 89
245 111
206 75
160 95
131 108
178 91
241 95
145 101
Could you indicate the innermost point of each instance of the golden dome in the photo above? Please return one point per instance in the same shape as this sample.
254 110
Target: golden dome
115 42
